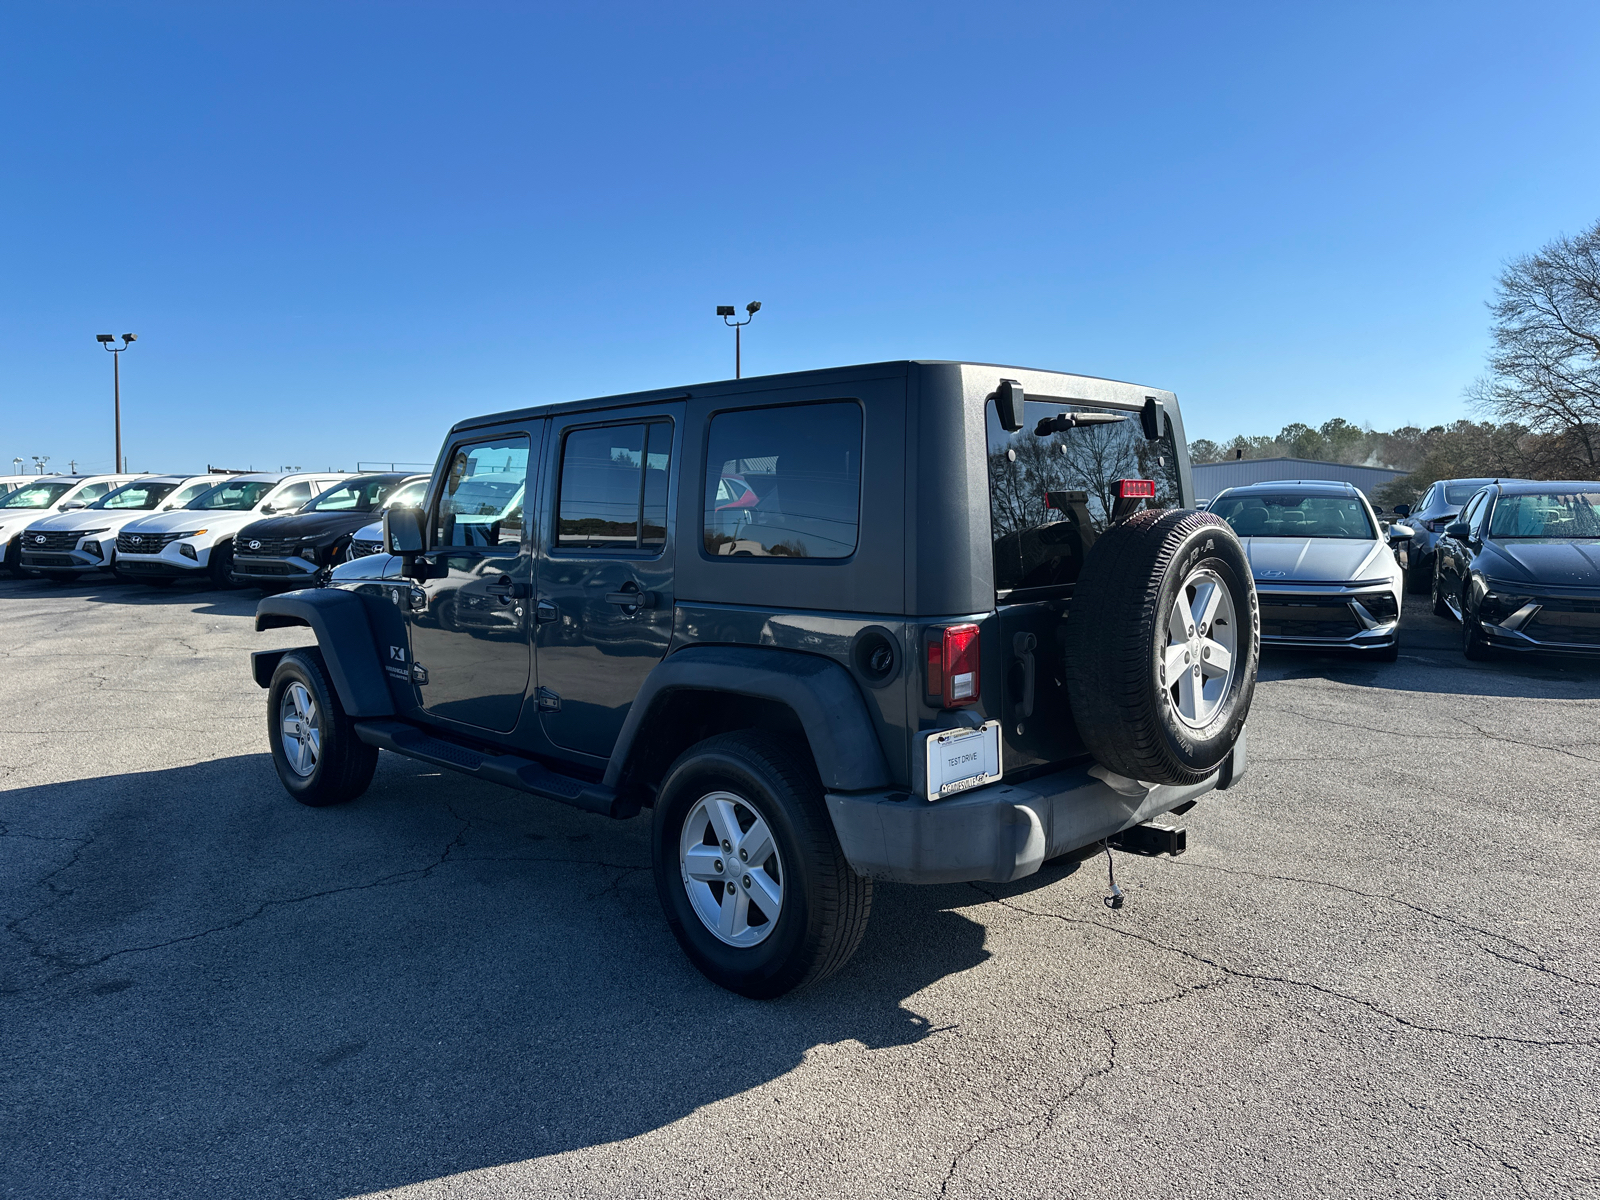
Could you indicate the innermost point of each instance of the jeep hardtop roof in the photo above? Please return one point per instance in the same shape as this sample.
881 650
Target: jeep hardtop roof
1037 384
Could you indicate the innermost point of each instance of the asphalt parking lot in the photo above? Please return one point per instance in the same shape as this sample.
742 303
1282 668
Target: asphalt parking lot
1375 973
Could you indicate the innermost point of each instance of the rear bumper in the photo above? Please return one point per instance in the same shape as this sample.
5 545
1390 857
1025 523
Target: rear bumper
1001 832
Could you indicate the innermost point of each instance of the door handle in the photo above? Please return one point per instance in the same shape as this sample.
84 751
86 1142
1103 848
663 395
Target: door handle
508 589
632 598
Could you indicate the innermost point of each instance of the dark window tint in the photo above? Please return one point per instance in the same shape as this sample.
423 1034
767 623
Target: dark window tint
481 502
1051 496
614 487
1474 512
358 496
1460 493
784 482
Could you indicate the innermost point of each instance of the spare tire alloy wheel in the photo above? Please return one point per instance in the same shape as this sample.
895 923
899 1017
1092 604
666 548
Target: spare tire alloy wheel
1202 642
731 869
1163 637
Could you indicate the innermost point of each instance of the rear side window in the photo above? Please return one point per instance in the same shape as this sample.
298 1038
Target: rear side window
784 482
614 487
1051 496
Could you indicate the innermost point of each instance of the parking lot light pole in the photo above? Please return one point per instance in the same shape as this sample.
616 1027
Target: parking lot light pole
725 311
105 340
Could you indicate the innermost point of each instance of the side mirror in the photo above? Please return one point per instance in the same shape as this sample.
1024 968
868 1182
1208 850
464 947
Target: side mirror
402 531
1401 533
1402 510
72 504
1457 530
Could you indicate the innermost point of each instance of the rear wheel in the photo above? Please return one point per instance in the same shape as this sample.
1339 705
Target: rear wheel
314 746
748 869
1162 643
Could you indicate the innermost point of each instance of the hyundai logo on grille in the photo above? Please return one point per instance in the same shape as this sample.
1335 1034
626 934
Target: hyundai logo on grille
255 545
137 540
40 538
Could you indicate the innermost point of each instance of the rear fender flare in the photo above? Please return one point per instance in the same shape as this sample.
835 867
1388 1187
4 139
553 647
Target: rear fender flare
344 634
819 691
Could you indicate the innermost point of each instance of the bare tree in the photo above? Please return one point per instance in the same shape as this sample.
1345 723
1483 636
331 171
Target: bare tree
1544 371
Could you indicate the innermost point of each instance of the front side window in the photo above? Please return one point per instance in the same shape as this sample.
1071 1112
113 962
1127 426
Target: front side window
233 495
614 487
480 504
1567 515
36 495
357 496
93 491
138 496
1474 513
292 497
188 492
784 482
1051 496
1295 515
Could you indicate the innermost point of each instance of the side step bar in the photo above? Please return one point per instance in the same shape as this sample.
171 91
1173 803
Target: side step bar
509 770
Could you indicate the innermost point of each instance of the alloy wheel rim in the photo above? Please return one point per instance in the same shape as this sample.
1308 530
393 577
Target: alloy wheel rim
1201 652
731 869
298 729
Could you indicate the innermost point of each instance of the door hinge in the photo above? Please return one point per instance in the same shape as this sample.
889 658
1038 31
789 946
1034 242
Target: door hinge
547 700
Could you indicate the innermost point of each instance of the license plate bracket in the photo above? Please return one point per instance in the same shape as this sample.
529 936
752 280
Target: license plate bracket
959 760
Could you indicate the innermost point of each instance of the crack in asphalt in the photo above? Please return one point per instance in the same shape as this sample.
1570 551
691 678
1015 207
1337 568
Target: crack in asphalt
1323 719
1444 918
1261 977
68 965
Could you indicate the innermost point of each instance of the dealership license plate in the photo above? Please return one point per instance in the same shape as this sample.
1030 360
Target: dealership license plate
959 759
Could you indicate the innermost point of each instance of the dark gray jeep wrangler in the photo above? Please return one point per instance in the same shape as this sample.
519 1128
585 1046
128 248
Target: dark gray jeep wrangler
917 621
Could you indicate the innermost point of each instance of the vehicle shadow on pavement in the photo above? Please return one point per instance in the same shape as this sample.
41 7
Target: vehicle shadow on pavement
208 990
223 602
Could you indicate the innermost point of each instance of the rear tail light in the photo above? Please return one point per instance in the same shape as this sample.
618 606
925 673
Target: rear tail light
953 675
1136 489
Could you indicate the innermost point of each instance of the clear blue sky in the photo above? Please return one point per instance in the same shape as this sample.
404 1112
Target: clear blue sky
338 227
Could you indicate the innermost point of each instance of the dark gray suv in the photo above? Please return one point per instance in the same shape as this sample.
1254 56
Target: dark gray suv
918 621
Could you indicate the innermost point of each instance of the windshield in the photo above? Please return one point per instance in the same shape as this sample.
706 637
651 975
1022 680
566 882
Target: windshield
357 496
1567 515
233 496
1295 515
135 496
410 496
1458 494
38 495
1051 496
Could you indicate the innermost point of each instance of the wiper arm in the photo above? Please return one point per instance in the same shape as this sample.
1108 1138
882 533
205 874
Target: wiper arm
1062 422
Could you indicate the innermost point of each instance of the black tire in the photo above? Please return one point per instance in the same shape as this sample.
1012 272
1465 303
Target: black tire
1116 640
1419 574
343 764
1440 608
1473 644
825 904
11 563
220 566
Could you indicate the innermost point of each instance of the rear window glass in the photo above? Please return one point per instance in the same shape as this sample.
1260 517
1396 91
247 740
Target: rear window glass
1051 496
1295 515
784 482
1460 493
1547 515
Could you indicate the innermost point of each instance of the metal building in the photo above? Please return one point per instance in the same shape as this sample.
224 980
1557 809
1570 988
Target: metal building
1211 478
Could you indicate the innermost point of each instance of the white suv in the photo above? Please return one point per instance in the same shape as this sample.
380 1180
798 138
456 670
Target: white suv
64 546
44 496
198 538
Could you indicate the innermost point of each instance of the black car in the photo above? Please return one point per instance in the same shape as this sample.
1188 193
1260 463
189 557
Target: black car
293 551
925 622
1521 568
1439 506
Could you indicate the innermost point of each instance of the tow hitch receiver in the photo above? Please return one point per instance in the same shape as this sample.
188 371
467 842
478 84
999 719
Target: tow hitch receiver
1151 839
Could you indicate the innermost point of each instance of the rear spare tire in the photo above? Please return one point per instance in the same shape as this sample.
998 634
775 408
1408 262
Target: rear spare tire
1163 638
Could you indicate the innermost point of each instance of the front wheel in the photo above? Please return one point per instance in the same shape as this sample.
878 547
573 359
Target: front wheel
220 568
314 745
748 869
1473 644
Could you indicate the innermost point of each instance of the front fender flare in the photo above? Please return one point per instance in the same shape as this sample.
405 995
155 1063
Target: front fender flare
344 634
820 692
